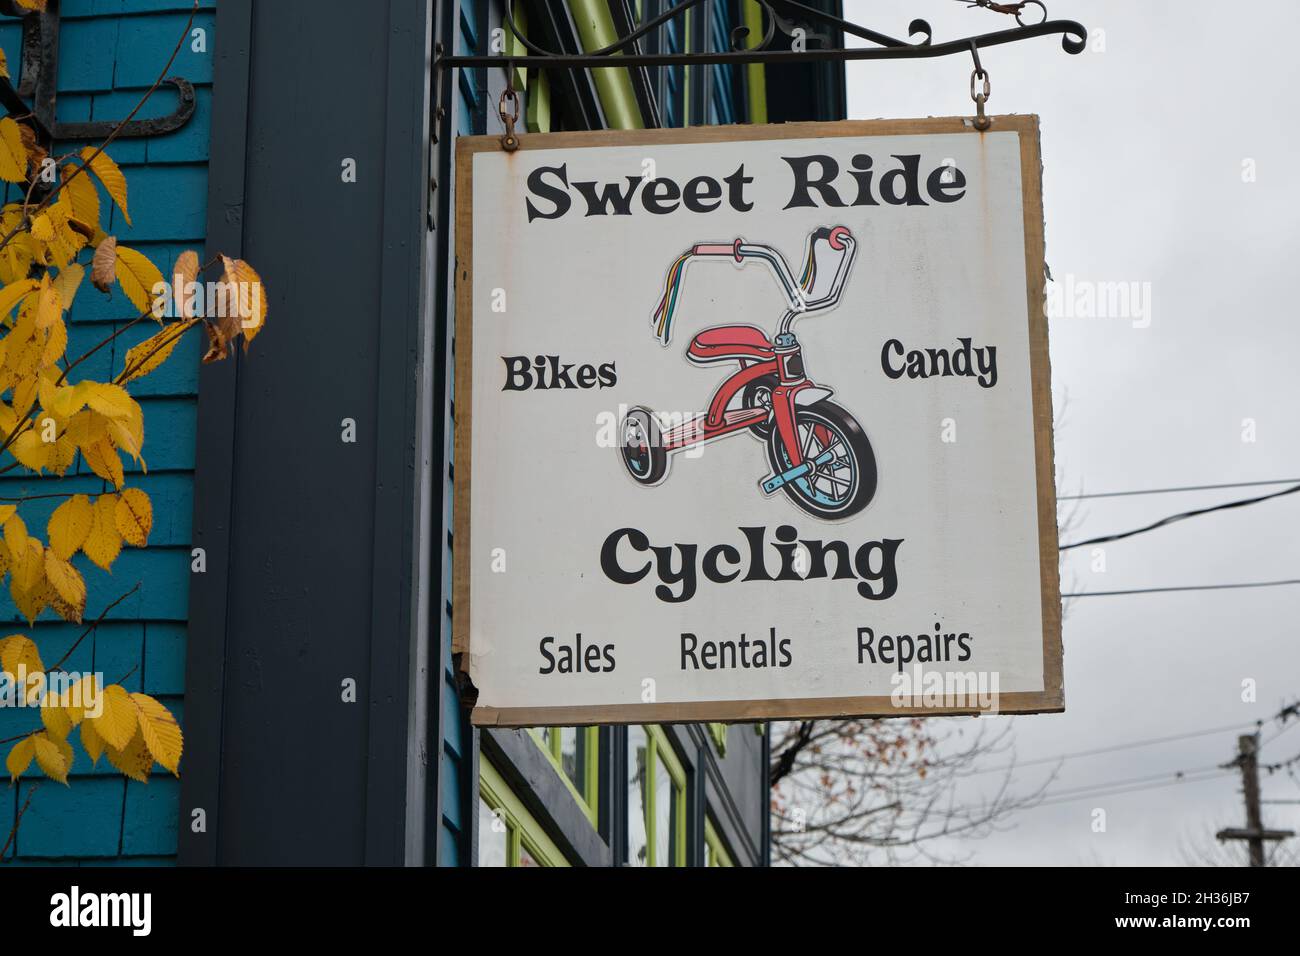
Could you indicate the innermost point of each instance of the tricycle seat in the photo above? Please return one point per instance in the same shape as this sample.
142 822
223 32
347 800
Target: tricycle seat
730 343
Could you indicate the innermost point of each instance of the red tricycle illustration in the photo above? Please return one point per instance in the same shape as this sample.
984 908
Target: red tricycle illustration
818 453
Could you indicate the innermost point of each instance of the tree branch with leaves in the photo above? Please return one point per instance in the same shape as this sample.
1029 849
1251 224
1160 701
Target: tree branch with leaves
51 416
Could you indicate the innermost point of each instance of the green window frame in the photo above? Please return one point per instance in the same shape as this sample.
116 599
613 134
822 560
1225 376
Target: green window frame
642 789
525 838
715 850
586 789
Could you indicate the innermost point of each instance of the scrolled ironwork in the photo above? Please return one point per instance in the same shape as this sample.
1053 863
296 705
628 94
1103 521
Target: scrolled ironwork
784 17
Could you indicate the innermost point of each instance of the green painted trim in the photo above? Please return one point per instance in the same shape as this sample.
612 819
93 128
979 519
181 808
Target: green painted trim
514 46
661 749
686 70
553 746
614 86
591 783
719 734
537 114
755 75
718 854
522 828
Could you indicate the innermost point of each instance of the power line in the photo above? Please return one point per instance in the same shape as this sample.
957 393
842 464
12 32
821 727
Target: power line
1280 732
1156 781
1131 745
1136 789
1166 491
1185 587
1181 516
1087 789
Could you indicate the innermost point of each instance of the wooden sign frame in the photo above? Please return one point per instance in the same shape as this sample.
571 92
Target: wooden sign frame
1050 700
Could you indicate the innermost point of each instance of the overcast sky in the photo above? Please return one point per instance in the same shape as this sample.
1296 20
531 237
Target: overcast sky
1144 146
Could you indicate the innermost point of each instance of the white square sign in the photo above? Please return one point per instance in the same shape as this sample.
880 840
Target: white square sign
754 422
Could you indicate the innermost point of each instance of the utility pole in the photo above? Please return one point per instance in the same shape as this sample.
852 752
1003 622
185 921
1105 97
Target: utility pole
1254 833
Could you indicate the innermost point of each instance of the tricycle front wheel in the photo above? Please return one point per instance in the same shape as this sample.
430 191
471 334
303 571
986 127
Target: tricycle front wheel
845 482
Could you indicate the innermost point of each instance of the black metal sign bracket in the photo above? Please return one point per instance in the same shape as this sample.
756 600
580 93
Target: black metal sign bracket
799 24
39 80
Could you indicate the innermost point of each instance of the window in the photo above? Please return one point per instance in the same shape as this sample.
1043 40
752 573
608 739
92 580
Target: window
508 835
656 798
715 851
575 753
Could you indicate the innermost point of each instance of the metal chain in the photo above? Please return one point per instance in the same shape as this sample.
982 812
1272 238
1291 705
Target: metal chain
510 141
980 96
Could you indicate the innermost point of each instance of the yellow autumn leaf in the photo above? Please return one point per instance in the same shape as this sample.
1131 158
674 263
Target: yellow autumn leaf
119 719
87 427
162 735
34 5
55 719
42 228
92 742
65 400
134 518
55 344
47 389
30 603
68 281
249 296
153 351
13 154
22 356
110 176
49 304
80 697
104 542
31 449
30 572
51 758
134 760
20 758
138 278
14 293
103 460
4 65
111 401
68 584
70 525
25 394
82 195
7 512
70 234
16 536
62 454
123 436
18 651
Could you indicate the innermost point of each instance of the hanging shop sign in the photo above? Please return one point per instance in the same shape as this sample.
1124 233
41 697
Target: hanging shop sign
754 422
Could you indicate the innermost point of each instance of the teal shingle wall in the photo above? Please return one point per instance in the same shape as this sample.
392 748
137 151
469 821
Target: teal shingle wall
110 52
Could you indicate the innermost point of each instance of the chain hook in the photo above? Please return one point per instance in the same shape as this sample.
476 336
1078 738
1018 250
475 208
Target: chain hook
1012 9
509 141
978 94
